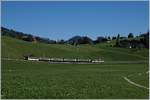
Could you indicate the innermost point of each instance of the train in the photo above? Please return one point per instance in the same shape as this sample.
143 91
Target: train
75 60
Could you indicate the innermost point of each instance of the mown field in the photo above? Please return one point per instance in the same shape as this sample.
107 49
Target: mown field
26 79
43 80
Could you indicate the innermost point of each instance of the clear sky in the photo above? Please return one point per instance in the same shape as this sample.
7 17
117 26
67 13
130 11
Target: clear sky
62 20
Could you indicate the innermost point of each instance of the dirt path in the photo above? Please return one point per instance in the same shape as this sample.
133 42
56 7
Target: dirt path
135 84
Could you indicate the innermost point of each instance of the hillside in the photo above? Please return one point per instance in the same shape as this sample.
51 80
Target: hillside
14 48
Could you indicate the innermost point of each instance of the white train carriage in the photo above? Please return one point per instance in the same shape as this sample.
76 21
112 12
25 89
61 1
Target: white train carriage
33 58
68 60
97 61
44 59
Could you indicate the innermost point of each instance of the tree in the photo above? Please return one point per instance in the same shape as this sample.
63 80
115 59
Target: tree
80 40
101 39
113 38
130 35
61 41
109 38
145 39
86 40
117 40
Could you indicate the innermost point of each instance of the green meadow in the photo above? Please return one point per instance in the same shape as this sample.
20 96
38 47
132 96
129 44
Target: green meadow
14 48
33 80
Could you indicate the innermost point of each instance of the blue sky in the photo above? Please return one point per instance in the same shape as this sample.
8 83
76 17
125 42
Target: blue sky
62 20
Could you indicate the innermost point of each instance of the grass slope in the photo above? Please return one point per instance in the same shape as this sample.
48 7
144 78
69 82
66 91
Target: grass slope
14 48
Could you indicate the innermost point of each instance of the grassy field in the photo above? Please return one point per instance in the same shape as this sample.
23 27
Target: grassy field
25 79
43 80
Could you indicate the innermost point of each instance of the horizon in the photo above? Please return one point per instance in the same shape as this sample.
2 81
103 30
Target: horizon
67 19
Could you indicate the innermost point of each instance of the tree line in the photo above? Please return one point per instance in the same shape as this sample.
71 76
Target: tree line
141 41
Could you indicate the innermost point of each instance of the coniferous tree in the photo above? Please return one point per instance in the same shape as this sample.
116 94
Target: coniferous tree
130 35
